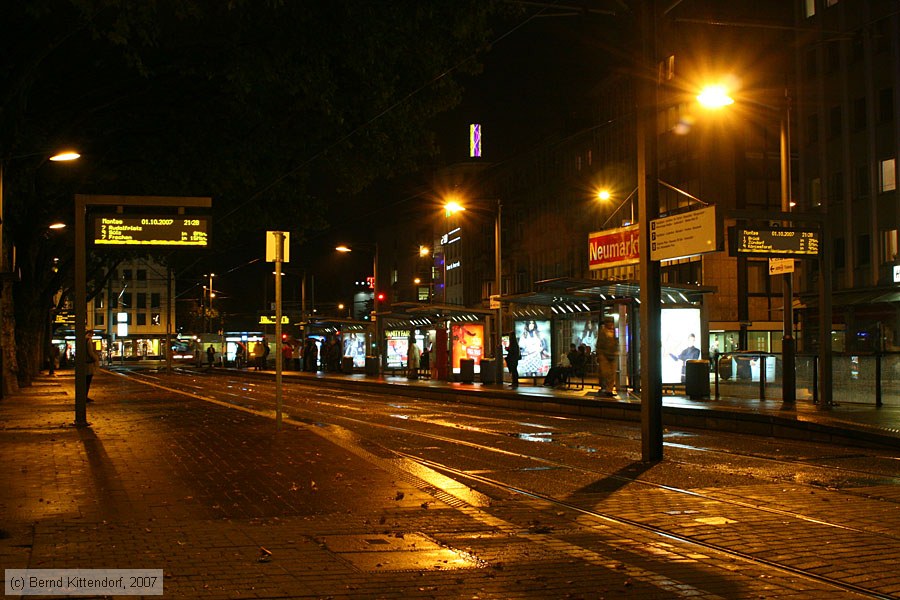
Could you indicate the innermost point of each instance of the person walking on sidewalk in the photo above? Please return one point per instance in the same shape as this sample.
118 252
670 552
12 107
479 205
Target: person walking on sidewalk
91 362
210 356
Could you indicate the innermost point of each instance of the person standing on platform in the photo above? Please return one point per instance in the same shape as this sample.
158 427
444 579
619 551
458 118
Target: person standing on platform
607 354
412 360
91 362
513 353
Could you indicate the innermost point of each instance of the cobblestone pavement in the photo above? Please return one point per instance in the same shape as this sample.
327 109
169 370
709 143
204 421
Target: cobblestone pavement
161 480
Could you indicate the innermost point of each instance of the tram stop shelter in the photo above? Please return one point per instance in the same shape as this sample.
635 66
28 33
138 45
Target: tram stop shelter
571 311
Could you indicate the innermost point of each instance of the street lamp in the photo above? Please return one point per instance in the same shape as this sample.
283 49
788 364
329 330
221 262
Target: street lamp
605 195
716 97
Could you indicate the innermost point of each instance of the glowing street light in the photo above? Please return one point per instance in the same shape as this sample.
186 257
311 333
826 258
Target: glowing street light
65 156
714 97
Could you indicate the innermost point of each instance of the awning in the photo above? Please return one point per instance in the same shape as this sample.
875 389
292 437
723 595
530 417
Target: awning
566 295
856 297
411 314
335 325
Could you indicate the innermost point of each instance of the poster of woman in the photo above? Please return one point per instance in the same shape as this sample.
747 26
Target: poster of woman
534 345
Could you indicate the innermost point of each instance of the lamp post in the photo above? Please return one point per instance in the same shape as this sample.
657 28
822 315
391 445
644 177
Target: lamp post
715 97
454 207
375 293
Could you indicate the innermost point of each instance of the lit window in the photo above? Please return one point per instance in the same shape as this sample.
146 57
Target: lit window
889 246
831 2
888 175
810 8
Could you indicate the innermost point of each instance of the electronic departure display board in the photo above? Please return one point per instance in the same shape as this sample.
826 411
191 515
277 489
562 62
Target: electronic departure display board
151 230
783 242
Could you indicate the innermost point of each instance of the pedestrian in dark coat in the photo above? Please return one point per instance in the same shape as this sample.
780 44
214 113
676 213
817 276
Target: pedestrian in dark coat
512 360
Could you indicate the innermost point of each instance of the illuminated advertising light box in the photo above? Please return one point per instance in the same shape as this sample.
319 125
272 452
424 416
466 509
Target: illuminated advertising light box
585 332
468 342
151 230
397 347
355 348
534 346
680 336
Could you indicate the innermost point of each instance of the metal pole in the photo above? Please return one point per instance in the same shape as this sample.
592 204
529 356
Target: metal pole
279 256
788 349
498 273
375 320
648 208
80 313
169 306
825 366
878 401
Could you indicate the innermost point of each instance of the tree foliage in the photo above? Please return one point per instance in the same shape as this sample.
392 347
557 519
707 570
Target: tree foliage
270 107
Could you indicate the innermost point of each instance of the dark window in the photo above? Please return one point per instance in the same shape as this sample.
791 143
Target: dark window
862 181
863 256
859 114
126 274
882 36
142 300
114 301
886 104
142 318
857 47
154 300
812 128
126 300
98 318
836 189
811 64
832 57
154 319
142 274
839 258
834 121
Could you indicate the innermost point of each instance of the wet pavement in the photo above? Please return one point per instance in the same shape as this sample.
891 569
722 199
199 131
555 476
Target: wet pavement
738 408
230 509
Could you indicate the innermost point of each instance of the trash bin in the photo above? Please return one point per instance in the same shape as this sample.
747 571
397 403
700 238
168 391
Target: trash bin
371 365
467 370
346 364
488 370
696 379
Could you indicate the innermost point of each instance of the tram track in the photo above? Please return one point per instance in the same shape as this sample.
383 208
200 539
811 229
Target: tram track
307 414
324 417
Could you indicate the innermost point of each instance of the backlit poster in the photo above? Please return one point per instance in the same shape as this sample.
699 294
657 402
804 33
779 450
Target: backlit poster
397 346
467 341
585 332
534 347
355 348
680 335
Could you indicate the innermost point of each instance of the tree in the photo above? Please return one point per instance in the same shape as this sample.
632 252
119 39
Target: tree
270 107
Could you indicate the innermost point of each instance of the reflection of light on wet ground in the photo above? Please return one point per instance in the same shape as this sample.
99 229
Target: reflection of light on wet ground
400 416
537 436
398 552
444 483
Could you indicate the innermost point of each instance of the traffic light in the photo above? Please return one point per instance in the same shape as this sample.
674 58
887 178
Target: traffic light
380 296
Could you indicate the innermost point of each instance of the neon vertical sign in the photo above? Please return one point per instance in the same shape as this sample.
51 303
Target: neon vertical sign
475 140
